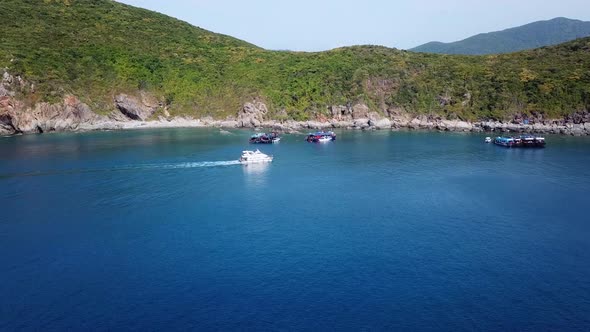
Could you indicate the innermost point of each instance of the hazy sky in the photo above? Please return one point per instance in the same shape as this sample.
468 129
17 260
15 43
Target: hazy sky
313 25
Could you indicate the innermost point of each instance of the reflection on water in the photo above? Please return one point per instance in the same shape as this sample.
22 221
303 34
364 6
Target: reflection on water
256 169
255 174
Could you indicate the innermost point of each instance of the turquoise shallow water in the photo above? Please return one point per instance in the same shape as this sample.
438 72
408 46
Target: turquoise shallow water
161 230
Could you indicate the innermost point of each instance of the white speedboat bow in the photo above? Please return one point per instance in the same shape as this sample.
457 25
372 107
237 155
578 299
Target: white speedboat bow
254 157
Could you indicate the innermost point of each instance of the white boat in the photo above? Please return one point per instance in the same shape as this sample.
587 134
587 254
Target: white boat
325 139
254 157
488 140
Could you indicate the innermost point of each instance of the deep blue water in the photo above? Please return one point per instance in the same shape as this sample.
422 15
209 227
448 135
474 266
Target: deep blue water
139 230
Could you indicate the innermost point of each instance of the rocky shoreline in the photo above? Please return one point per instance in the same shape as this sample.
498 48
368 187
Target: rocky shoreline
296 126
73 116
145 111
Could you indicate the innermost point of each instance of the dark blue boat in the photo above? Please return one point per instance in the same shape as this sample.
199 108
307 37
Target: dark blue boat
263 138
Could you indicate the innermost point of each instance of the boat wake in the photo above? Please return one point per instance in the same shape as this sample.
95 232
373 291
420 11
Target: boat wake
138 167
185 165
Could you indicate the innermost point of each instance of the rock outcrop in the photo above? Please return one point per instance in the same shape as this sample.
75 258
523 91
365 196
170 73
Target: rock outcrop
360 111
579 117
252 114
140 109
340 112
44 117
384 123
6 84
17 117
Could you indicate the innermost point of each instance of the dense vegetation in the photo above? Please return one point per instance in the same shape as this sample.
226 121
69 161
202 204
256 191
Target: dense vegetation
97 48
537 34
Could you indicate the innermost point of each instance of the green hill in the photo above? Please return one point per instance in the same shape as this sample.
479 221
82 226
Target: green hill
95 49
538 34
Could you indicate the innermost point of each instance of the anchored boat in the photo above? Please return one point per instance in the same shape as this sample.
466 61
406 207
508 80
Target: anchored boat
504 141
321 137
530 141
254 157
263 138
522 141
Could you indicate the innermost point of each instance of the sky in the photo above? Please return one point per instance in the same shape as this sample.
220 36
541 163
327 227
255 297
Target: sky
316 25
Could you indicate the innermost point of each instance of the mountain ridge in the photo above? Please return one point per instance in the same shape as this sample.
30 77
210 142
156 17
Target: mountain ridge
529 36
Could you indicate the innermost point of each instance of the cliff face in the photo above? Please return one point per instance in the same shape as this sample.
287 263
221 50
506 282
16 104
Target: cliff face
18 117
43 117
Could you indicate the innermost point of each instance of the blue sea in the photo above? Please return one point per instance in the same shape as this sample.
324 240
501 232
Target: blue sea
162 230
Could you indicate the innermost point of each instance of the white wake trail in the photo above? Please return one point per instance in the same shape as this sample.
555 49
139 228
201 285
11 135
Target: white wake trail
137 167
193 164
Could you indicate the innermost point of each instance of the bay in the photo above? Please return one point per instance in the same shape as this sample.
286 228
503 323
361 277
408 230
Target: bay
163 230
